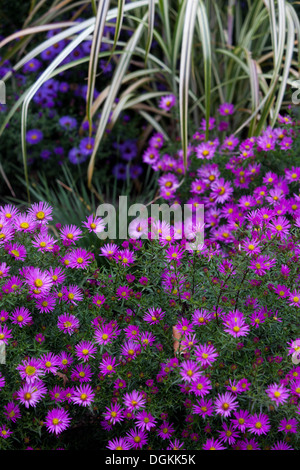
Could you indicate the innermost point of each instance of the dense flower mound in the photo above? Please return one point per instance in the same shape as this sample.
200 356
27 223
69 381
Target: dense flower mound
153 344
87 343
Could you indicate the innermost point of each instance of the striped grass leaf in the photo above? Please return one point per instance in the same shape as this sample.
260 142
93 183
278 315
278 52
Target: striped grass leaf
254 85
151 16
119 73
119 22
95 49
287 65
34 88
205 38
185 68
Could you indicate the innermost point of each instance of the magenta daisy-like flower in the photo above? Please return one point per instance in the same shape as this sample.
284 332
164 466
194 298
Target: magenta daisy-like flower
147 339
2 381
108 365
5 432
41 212
8 212
174 254
70 234
98 300
201 386
12 411
145 421
184 326
136 438
31 394
243 385
189 371
46 304
83 395
226 109
21 316
24 223
30 369
228 434
65 359
205 151
154 315
79 258
236 325
282 291
104 334
39 282
175 445
165 430
221 190
259 424
167 102
119 384
281 445
240 420
134 400
295 387
85 350
225 404
280 227
94 224
14 284
17 251
201 317
262 264
123 292
6 234
288 425
294 298
249 444
257 318
57 274
82 372
213 444
278 393
5 334
206 354
250 246
125 257
71 294
114 414
50 363
4 270
132 332
109 250
67 323
57 394
130 349
57 420
119 443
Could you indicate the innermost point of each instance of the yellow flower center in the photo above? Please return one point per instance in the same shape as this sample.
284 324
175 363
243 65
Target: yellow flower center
30 370
24 225
40 215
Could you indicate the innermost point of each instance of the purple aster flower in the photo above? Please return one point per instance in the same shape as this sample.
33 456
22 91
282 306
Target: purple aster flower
57 420
34 136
